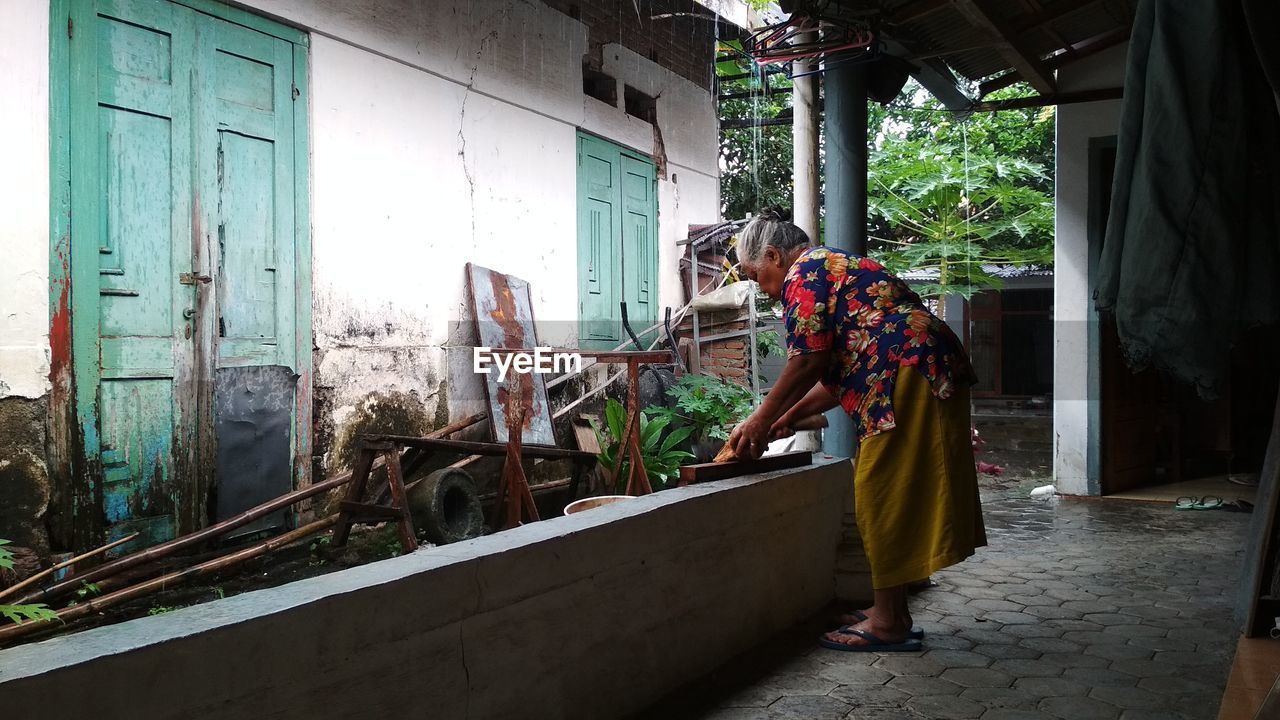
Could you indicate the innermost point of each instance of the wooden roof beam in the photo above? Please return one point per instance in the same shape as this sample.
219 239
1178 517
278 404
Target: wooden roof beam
1068 98
982 14
916 10
1088 46
1065 56
1044 16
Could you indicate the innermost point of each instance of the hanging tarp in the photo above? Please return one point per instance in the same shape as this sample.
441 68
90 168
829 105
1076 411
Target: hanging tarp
1192 250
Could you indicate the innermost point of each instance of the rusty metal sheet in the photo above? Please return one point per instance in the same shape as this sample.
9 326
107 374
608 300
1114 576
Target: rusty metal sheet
503 314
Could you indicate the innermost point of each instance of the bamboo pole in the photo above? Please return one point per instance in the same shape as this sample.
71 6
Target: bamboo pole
218 529
65 563
163 582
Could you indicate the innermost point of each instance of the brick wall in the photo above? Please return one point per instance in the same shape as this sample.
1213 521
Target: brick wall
728 359
682 43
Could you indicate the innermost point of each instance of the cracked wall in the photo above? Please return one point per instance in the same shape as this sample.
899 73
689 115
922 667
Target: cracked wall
451 137
441 133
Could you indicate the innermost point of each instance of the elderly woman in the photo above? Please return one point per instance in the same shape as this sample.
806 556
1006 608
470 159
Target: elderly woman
859 338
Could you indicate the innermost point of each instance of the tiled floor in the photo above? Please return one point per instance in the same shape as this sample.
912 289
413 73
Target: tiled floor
1078 609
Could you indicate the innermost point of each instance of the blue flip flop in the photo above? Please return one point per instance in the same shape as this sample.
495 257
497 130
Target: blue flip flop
874 643
915 633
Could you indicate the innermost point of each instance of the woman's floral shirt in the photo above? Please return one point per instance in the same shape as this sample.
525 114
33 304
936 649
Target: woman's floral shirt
874 324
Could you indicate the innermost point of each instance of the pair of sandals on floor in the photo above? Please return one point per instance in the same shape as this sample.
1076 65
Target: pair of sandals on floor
1211 502
871 641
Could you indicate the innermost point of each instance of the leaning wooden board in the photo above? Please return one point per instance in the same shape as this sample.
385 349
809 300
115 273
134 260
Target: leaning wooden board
735 468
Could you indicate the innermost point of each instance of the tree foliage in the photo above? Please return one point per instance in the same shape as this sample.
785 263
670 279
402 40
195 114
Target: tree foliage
755 162
946 195
953 197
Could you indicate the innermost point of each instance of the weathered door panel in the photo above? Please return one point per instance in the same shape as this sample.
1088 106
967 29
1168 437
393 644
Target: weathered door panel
599 226
617 241
251 100
185 166
639 242
247 130
136 150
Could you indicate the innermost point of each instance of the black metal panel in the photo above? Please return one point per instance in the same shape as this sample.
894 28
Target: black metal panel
253 409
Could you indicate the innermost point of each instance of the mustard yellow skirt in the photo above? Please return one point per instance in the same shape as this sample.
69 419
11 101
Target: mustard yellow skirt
915 488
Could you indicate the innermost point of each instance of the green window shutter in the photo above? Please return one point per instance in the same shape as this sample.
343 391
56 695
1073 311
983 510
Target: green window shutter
617 241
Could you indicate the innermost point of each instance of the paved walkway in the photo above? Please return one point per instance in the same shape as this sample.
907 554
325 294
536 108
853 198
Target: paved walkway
1078 609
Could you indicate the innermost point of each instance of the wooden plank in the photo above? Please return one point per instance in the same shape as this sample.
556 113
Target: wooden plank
477 448
706 472
604 356
398 501
381 513
587 440
1259 548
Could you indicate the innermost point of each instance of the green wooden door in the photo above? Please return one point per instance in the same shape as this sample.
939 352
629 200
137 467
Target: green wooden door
132 189
181 175
248 135
639 241
617 241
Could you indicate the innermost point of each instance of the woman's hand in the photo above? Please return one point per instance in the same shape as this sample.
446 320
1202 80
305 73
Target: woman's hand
750 438
784 425
781 428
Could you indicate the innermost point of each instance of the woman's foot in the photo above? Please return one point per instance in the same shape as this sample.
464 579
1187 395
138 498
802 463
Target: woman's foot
857 616
886 633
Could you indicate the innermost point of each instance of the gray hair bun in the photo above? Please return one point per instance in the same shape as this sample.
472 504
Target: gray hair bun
771 228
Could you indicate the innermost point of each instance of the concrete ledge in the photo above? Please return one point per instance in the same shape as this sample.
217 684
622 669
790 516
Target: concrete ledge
592 616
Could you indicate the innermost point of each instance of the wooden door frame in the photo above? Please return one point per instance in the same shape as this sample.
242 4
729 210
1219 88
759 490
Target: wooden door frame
74 443
1098 197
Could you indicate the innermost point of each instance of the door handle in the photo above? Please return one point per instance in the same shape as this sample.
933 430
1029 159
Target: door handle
193 278
189 313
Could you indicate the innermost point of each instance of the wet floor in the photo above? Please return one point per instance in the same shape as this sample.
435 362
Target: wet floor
1077 609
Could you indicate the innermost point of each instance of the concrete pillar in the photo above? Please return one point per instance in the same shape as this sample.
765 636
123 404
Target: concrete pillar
804 125
845 109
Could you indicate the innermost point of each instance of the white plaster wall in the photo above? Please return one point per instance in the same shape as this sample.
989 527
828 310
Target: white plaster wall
1073 409
24 198
441 133
446 137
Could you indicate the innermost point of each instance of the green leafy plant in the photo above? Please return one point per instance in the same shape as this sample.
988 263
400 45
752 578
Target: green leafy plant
767 343
707 405
217 590
321 543
38 612
161 609
952 213
86 591
21 613
659 451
